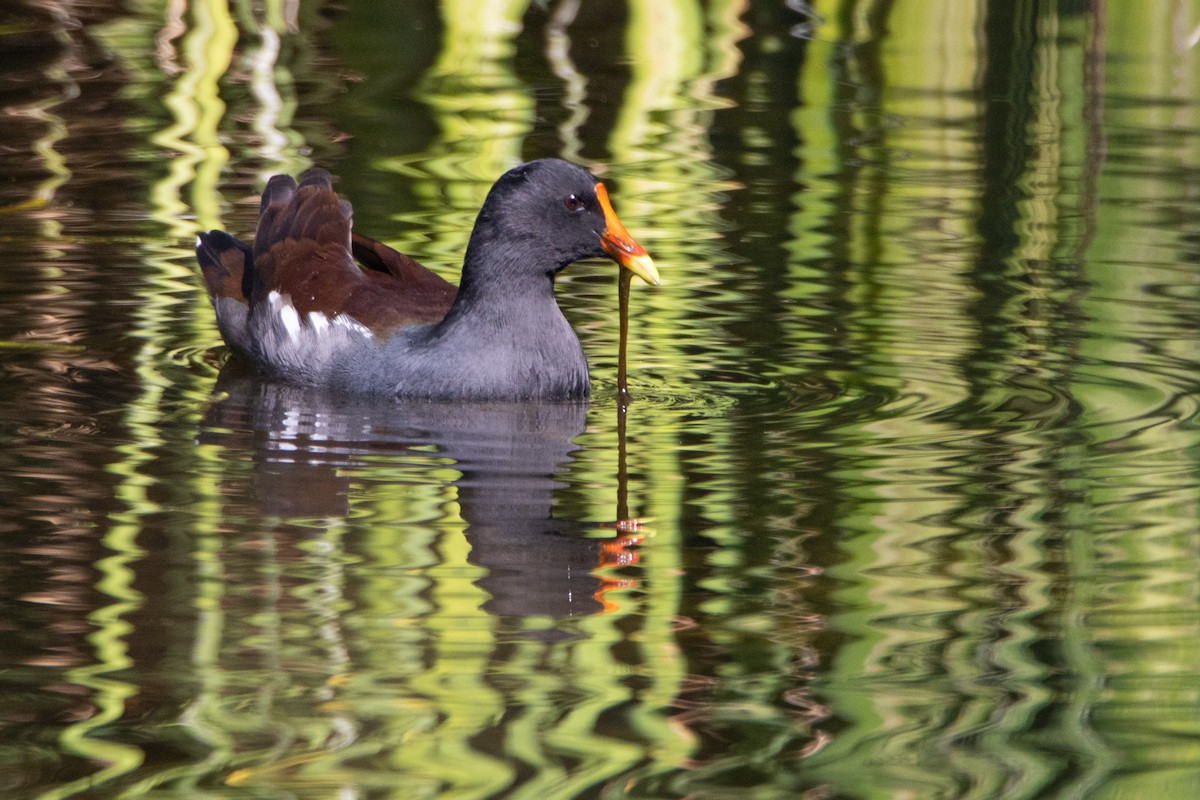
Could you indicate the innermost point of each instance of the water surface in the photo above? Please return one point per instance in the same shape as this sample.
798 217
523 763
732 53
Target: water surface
905 504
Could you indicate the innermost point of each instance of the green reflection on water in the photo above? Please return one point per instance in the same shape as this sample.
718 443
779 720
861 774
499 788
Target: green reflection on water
914 432
109 694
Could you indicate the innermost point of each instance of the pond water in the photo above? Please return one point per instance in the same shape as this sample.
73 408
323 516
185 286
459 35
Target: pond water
905 504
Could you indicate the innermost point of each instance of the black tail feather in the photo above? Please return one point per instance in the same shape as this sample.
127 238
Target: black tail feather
227 264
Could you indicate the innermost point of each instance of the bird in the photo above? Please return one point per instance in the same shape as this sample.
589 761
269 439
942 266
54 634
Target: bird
314 302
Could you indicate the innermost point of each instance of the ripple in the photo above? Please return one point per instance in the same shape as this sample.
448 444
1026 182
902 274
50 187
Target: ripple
58 429
750 393
204 358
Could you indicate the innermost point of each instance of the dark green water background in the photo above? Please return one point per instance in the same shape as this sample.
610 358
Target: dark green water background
906 505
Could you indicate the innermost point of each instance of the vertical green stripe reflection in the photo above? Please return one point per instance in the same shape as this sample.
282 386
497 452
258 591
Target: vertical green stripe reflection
196 105
166 282
108 640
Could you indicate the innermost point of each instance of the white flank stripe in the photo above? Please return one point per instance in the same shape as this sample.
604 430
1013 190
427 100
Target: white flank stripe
351 324
287 315
318 321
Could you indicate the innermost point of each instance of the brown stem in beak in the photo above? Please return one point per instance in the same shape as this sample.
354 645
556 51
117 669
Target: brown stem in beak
624 279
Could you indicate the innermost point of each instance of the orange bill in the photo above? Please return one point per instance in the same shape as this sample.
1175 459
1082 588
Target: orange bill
617 242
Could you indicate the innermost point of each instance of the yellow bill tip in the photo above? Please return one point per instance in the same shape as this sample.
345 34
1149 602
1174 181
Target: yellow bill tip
620 245
642 266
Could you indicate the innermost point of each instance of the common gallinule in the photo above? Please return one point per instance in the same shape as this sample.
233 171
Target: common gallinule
298 307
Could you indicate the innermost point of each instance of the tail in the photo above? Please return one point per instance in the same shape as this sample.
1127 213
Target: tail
227 264
310 211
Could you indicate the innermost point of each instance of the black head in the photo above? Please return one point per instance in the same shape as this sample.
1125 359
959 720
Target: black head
541 216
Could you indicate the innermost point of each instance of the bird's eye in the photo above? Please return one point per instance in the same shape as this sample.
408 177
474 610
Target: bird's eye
572 202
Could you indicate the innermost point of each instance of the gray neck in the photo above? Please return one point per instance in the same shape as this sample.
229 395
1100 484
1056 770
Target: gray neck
505 337
499 295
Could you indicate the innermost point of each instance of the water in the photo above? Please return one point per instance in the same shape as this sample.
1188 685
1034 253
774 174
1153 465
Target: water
905 505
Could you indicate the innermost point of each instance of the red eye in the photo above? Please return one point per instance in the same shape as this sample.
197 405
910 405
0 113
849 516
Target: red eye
572 202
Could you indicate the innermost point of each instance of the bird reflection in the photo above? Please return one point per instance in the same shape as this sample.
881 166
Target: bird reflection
506 455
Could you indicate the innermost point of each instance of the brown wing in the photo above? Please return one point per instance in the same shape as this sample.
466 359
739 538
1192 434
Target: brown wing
304 248
419 280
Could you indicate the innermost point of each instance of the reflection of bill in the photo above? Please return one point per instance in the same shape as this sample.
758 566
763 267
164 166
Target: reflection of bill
313 452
